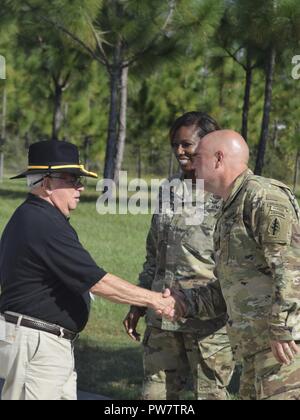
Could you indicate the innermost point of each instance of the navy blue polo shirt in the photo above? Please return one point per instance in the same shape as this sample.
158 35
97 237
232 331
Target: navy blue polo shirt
45 272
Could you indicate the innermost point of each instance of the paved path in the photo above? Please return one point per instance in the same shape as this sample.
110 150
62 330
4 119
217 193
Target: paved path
81 395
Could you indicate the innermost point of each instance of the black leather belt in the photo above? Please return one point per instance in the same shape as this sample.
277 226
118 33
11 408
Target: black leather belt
37 324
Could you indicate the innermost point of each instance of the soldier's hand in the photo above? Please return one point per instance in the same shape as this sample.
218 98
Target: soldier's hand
164 305
179 308
284 351
131 320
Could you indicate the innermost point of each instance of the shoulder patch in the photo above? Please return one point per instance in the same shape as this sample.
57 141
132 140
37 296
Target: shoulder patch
277 210
274 227
276 223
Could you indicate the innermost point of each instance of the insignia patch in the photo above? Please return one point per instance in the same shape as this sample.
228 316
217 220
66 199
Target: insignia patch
277 231
274 227
278 211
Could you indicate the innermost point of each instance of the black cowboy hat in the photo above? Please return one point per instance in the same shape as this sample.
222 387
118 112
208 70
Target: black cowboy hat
47 157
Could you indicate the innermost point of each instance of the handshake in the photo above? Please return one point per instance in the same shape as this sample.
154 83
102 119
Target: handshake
170 304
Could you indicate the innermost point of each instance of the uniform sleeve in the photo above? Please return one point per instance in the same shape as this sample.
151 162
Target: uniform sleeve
146 277
205 302
68 261
273 224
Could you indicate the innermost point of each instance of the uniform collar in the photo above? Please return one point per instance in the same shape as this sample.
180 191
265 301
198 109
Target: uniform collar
32 198
237 186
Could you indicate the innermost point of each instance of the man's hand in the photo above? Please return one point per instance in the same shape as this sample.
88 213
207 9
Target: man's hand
176 308
180 305
284 351
164 305
131 321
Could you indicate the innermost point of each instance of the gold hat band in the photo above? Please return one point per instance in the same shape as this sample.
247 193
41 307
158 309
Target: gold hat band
81 167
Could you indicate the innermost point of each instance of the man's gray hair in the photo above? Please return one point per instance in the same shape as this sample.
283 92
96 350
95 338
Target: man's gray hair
32 180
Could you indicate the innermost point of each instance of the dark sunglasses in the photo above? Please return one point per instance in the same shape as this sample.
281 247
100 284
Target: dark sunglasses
76 182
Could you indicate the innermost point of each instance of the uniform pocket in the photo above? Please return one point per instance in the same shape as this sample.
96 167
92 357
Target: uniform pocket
218 358
213 344
269 379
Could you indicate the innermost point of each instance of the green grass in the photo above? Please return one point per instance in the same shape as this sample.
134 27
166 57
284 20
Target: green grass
108 362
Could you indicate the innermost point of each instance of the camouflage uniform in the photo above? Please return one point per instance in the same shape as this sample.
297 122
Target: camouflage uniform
179 254
257 243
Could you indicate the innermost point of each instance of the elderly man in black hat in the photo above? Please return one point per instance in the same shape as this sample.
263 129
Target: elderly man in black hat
46 276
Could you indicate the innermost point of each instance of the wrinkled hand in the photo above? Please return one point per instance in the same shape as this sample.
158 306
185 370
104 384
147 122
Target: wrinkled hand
164 305
284 351
177 309
131 320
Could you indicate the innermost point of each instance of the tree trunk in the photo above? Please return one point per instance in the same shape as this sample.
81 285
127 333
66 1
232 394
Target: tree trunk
57 112
296 172
267 111
111 143
65 124
122 123
247 95
3 133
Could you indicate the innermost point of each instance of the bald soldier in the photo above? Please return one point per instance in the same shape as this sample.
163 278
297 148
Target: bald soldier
257 245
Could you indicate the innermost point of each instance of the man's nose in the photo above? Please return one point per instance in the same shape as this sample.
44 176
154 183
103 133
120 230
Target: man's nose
180 150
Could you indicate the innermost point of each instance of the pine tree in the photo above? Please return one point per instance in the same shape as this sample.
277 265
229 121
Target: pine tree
52 58
275 30
121 35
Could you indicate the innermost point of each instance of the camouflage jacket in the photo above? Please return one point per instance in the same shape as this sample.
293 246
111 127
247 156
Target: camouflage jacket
180 253
257 244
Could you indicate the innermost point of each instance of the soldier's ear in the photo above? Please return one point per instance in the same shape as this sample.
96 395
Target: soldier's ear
219 158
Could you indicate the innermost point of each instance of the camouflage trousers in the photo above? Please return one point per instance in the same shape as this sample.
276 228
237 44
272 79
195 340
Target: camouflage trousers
170 357
263 378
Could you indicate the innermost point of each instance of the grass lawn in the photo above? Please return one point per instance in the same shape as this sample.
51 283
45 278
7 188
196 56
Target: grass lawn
108 362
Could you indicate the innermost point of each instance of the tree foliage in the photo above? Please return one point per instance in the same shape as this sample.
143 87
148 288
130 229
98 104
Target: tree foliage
181 55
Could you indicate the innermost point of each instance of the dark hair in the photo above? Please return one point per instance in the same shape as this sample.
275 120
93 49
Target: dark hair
202 121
